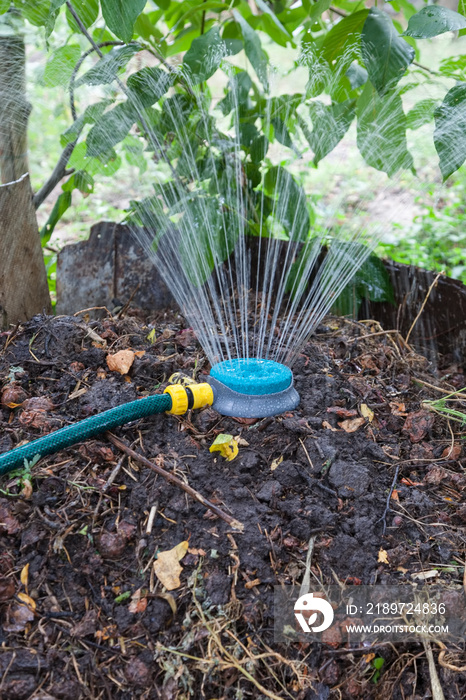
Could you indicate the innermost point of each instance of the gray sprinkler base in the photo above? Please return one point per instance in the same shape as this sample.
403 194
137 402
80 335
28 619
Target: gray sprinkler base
232 403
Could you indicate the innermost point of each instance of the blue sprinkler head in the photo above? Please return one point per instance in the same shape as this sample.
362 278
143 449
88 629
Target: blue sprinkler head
252 388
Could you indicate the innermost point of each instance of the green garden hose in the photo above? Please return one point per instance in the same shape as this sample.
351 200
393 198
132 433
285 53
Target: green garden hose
175 399
90 427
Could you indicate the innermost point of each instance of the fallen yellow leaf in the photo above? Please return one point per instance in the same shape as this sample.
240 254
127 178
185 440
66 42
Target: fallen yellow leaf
30 602
276 463
383 557
226 445
366 412
167 566
151 337
24 576
352 424
121 361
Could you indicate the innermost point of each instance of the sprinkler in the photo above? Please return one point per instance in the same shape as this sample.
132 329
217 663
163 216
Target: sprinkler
252 388
247 388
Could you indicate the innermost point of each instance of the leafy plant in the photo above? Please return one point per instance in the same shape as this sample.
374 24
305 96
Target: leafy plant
356 60
437 238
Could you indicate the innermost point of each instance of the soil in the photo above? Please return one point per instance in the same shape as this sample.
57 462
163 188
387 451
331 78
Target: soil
83 613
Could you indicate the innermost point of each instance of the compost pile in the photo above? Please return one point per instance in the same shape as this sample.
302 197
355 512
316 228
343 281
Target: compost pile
83 609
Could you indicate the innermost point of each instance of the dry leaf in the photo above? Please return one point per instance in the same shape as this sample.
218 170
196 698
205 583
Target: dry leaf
167 566
17 617
425 575
241 441
24 576
226 445
276 463
30 602
366 412
251 584
342 412
452 452
398 409
383 557
395 495
197 552
121 361
138 602
327 425
352 424
26 491
170 600
418 424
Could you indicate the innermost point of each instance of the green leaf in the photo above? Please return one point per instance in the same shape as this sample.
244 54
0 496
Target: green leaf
421 114
433 20
381 131
341 44
60 66
270 24
450 130
80 180
120 16
106 164
330 123
318 8
371 281
4 6
106 69
148 85
87 11
35 11
204 56
146 29
163 4
281 132
214 240
454 67
385 53
253 48
54 11
237 93
90 115
290 208
111 128
134 151
61 205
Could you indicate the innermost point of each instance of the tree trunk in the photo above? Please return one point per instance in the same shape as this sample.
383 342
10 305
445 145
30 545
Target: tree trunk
23 278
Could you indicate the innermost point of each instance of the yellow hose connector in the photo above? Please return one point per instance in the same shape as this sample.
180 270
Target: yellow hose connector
194 396
203 395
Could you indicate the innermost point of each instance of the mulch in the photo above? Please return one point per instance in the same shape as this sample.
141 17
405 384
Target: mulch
361 468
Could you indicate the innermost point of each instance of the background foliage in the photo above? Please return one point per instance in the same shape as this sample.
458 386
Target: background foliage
361 62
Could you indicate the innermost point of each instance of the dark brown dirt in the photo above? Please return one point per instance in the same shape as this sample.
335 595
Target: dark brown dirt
103 627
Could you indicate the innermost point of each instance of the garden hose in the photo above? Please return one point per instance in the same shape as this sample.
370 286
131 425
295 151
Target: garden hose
176 400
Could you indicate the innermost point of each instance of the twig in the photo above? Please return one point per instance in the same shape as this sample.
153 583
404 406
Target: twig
57 175
437 692
434 283
177 482
114 474
431 386
150 522
307 574
387 505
